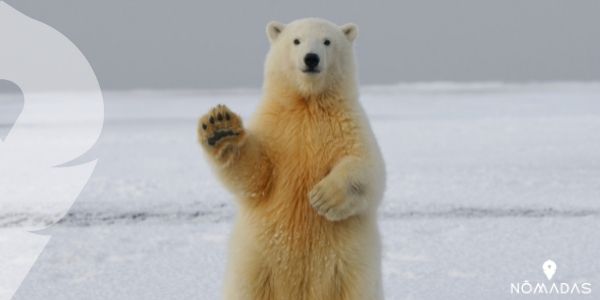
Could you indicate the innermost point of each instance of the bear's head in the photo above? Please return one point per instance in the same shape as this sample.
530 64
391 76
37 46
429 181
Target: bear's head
312 56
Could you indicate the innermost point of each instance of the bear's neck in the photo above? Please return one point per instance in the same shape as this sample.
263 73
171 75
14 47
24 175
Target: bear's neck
288 95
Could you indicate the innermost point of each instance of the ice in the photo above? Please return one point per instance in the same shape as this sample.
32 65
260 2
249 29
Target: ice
486 181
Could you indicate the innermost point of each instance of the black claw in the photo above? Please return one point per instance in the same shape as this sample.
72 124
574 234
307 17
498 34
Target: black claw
357 188
211 120
204 126
220 117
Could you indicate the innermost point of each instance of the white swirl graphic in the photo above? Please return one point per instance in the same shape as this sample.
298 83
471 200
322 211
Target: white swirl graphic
62 118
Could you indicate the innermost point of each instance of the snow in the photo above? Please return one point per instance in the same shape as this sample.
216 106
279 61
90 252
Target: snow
486 181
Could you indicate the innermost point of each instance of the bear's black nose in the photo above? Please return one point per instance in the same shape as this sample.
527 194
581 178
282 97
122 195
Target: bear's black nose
311 60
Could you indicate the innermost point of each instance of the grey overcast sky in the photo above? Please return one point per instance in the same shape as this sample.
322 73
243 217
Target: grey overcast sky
220 44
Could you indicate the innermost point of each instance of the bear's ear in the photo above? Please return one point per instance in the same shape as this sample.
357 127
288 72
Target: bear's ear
274 28
350 31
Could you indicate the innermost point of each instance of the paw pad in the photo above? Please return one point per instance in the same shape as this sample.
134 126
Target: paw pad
218 125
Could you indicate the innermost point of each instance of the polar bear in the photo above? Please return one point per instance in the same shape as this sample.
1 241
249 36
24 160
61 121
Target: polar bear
307 172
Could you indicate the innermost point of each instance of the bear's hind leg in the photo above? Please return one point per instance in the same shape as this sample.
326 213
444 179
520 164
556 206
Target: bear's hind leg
248 277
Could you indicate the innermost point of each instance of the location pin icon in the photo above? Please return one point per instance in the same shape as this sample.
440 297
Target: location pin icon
549 268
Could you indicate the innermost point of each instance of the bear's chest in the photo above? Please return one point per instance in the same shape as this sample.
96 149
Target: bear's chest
307 145
303 146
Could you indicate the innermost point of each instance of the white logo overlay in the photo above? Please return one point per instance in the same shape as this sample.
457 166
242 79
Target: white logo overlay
61 119
549 268
550 288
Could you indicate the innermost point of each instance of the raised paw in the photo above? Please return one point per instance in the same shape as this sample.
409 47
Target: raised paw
219 128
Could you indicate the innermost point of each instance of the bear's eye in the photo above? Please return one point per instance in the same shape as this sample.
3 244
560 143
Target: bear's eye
327 42
296 42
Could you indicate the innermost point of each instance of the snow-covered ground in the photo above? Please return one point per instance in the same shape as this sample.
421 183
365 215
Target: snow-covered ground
485 183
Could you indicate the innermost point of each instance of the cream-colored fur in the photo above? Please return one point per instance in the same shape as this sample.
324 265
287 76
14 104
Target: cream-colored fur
308 174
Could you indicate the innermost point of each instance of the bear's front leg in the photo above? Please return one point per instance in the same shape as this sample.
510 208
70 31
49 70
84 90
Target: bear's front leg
344 192
238 156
